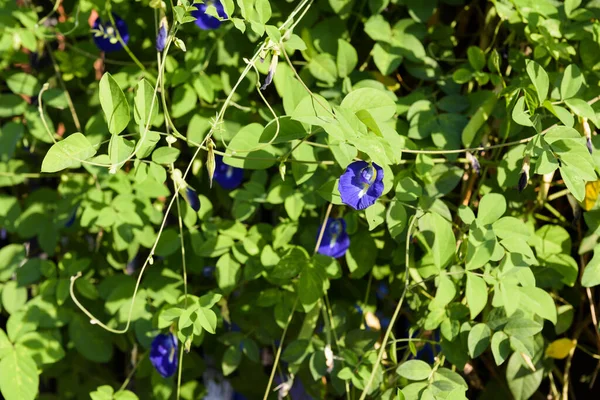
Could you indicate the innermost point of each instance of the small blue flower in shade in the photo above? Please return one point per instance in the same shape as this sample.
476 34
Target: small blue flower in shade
335 240
227 176
105 35
205 21
71 219
208 271
382 290
192 198
272 70
161 38
163 354
361 184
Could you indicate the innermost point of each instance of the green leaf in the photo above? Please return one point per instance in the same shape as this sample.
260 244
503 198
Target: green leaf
466 214
500 347
591 273
539 301
479 339
480 117
314 110
572 81
491 207
476 58
165 155
378 28
522 327
11 256
13 297
247 143
444 243
114 104
506 227
11 105
375 215
323 68
19 379
523 382
477 295
311 285
294 260
228 271
91 341
184 100
519 115
540 80
43 347
119 149
414 370
68 153
570 6
582 109
361 255
396 219
207 319
480 246
5 345
347 58
143 105
376 102
386 57
23 83
231 360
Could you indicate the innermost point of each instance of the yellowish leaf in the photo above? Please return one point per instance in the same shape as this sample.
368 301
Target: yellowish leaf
560 348
591 194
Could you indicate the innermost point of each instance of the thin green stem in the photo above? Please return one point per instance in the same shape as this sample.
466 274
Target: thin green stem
394 316
278 354
125 47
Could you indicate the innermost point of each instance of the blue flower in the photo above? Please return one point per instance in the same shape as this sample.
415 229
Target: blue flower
161 38
361 184
271 73
227 176
105 36
192 198
163 354
205 21
71 219
335 240
382 290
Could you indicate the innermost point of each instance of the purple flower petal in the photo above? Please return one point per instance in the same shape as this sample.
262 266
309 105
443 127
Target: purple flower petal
227 176
161 38
335 240
192 198
104 43
163 354
361 184
205 21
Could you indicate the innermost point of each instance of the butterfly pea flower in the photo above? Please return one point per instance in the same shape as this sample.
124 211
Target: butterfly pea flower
192 198
161 38
524 178
71 219
272 69
361 184
474 162
382 290
105 35
227 176
587 131
163 354
208 22
335 241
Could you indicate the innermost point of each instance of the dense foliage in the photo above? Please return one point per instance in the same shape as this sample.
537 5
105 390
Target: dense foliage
328 199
